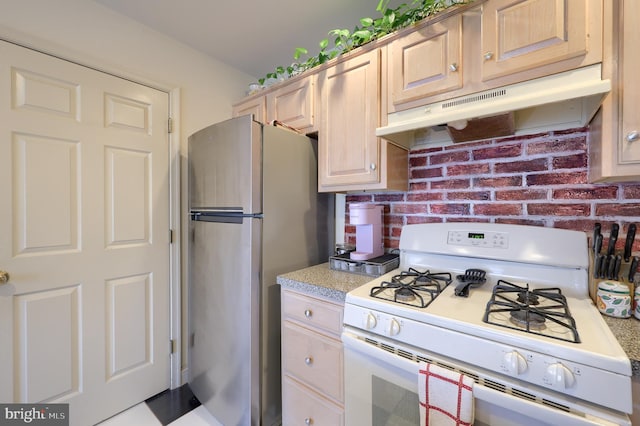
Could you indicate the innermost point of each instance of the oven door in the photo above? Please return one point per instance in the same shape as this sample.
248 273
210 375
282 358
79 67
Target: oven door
381 389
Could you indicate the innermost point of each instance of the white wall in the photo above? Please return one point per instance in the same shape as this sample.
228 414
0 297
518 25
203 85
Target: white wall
88 33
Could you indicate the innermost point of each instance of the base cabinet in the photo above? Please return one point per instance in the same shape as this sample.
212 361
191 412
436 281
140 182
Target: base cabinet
303 406
312 361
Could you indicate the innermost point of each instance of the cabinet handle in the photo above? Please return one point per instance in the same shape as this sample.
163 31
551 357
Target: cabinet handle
308 421
308 313
488 56
633 136
453 67
372 166
308 360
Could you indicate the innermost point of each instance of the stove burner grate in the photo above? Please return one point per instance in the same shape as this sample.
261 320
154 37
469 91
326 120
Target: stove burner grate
529 310
412 287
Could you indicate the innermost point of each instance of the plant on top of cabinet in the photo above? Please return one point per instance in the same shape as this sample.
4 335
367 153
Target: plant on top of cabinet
370 29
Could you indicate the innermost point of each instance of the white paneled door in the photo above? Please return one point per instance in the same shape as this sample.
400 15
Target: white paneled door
84 236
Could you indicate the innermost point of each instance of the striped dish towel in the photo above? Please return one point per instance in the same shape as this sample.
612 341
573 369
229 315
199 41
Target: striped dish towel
446 397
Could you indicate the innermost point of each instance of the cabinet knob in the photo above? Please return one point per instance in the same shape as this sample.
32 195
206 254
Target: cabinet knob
372 166
308 421
308 360
308 313
632 136
488 56
453 67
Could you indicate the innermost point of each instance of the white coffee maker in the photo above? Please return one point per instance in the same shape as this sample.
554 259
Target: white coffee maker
367 219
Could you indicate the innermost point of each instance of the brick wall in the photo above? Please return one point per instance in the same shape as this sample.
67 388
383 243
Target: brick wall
536 180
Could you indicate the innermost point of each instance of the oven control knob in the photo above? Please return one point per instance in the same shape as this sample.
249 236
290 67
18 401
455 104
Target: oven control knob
557 375
369 321
393 327
514 363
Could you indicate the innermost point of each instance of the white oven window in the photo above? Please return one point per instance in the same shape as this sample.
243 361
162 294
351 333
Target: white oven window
381 385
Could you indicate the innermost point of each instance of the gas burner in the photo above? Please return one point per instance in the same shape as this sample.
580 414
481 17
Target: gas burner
412 287
525 318
528 298
405 294
539 311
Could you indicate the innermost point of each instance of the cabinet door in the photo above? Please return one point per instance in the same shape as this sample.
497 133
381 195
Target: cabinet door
614 151
629 138
348 149
255 106
294 104
426 62
522 34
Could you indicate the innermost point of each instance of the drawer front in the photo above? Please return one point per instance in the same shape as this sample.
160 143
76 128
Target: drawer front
313 359
301 406
312 312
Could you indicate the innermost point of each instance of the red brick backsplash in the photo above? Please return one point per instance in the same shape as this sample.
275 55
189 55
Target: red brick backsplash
539 180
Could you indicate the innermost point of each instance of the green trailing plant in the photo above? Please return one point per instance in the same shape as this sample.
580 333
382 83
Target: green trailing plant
369 29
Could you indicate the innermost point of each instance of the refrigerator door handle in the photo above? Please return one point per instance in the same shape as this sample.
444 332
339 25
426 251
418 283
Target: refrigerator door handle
225 217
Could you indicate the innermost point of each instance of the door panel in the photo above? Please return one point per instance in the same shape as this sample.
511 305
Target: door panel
47 344
84 170
45 198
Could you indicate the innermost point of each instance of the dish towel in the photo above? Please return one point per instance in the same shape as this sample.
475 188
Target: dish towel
446 397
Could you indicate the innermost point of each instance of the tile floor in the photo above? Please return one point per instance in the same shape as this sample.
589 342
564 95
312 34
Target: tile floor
177 407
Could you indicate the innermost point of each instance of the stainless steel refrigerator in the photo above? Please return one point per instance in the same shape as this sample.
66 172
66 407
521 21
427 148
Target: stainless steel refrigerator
255 213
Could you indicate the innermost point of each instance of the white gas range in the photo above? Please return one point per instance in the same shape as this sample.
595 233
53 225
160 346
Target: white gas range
507 305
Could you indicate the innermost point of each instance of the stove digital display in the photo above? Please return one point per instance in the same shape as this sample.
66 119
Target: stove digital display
476 236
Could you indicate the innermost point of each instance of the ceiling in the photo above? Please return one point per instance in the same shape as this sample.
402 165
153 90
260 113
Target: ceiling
252 36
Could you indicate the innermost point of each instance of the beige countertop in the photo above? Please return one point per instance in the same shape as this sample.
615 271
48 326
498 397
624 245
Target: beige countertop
627 331
320 280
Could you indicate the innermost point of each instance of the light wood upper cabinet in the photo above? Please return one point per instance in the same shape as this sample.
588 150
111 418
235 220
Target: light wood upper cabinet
490 44
519 35
350 156
615 132
294 104
255 105
629 134
426 62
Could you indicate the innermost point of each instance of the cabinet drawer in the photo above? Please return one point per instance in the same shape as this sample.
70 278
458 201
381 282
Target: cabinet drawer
312 312
313 359
301 406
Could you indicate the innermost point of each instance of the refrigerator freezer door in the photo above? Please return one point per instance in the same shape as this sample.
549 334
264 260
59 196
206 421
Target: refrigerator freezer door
225 166
224 319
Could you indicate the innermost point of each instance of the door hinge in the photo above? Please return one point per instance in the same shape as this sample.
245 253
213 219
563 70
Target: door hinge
170 125
172 346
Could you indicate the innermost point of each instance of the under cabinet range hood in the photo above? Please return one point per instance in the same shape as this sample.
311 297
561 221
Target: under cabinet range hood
560 101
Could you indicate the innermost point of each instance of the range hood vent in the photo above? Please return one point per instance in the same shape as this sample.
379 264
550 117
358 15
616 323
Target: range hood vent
559 101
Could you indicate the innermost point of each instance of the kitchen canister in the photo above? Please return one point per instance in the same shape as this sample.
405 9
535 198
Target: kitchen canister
614 299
